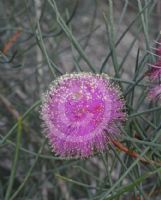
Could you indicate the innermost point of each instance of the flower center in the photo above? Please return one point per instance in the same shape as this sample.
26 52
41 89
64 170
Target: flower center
81 106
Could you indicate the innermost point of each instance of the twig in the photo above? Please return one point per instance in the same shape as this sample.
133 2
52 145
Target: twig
11 42
9 107
14 112
133 154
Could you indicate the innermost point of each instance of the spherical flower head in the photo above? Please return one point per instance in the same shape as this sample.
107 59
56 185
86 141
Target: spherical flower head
82 113
155 92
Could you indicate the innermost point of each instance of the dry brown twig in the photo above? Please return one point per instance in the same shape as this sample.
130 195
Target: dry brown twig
11 42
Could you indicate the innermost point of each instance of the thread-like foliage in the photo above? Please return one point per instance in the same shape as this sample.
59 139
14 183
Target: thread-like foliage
43 40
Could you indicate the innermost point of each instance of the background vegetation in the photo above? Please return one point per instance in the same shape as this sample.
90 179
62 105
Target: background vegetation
42 39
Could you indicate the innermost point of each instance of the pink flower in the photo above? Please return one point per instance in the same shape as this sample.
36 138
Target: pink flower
155 92
82 114
154 75
155 72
